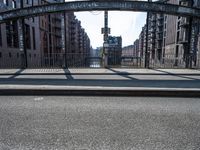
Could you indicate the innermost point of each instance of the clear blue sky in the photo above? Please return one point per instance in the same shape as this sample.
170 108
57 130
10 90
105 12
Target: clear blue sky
125 24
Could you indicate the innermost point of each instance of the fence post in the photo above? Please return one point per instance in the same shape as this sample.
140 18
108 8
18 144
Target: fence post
63 34
22 40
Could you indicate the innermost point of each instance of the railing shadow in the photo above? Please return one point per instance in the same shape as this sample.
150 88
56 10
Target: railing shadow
68 74
123 74
176 75
103 82
16 73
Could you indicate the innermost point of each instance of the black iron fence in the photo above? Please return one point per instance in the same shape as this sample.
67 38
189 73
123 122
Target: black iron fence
85 60
169 62
56 60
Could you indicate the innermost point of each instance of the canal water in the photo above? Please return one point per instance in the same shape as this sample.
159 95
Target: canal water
95 63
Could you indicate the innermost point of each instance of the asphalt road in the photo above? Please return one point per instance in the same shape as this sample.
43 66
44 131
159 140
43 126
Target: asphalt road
99 123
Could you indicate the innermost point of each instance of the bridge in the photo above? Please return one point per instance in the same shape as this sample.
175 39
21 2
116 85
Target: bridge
77 6
99 5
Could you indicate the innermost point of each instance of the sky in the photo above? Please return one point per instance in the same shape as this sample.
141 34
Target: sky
125 24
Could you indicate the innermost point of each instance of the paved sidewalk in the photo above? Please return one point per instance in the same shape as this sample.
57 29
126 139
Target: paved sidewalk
99 71
163 82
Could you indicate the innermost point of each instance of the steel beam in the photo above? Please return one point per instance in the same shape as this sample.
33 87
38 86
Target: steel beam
100 5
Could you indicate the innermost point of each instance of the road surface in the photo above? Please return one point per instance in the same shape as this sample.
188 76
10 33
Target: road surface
114 80
99 123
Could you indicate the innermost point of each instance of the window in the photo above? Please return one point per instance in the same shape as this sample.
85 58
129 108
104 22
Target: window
14 4
10 55
178 25
33 33
178 36
0 37
177 50
27 36
12 34
6 2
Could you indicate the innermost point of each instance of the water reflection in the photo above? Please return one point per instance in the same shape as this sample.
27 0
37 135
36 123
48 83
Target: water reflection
95 63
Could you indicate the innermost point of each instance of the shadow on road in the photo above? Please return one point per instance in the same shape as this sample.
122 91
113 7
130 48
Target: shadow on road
103 83
123 74
16 73
172 74
68 74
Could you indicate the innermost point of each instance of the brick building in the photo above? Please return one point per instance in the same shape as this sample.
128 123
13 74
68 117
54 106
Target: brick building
48 39
169 42
114 50
10 54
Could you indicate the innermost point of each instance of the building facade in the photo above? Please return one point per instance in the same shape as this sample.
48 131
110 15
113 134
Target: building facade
170 44
49 39
10 54
114 50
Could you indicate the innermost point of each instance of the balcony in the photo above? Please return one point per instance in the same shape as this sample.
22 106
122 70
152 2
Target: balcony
185 2
160 18
159 45
184 23
72 28
153 30
4 7
57 27
159 31
72 38
73 22
160 24
153 20
58 46
159 37
183 38
57 19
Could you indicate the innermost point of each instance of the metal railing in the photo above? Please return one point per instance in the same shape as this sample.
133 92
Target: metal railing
169 62
85 60
55 60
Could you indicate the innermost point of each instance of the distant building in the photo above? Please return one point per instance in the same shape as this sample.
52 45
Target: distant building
128 51
142 43
136 48
96 52
131 50
114 50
